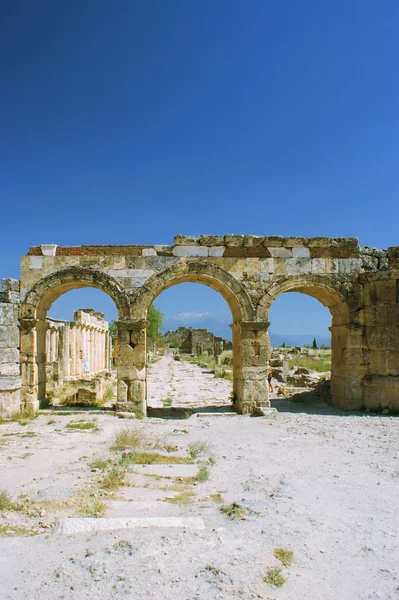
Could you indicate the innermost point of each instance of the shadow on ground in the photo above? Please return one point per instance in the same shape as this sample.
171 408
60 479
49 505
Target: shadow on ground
179 412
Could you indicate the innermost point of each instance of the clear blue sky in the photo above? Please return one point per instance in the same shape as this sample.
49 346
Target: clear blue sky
129 122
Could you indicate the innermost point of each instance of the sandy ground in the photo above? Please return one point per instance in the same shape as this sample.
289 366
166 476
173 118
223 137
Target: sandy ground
320 483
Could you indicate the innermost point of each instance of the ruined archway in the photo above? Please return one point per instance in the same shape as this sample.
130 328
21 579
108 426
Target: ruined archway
33 311
207 274
345 383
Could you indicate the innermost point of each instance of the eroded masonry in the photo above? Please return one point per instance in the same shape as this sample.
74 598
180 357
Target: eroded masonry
358 284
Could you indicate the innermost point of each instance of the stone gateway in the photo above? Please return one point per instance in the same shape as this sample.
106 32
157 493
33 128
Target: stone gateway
358 284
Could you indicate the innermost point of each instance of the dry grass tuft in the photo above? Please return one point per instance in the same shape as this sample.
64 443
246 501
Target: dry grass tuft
286 557
275 577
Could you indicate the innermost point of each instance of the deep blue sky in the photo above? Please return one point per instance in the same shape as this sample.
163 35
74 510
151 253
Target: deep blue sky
132 121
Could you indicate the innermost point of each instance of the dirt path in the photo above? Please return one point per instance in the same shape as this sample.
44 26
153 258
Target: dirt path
324 486
186 385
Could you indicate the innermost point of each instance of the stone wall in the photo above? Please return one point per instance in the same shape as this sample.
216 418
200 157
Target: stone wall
357 283
192 340
10 378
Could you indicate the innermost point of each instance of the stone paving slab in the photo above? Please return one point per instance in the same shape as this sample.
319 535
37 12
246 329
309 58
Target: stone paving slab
81 525
167 470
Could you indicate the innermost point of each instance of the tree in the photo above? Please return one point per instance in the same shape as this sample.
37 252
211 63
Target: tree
314 344
113 328
156 319
283 345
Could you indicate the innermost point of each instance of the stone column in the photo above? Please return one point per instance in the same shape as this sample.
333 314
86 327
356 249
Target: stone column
251 351
66 362
10 378
131 369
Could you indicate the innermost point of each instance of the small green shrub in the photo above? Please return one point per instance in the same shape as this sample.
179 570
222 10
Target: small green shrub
286 557
113 480
275 577
195 449
99 464
233 511
203 473
6 501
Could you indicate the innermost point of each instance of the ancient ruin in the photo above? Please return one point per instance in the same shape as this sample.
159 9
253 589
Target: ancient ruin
191 340
79 347
358 284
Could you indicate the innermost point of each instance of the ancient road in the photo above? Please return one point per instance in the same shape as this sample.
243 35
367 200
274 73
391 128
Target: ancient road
186 385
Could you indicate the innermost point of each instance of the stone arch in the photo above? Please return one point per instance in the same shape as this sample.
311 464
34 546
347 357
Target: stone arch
346 333
43 293
195 272
33 312
325 290
214 277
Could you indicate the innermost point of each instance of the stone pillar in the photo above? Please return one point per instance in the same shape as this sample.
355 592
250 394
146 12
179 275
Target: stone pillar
349 364
10 378
66 359
251 351
131 370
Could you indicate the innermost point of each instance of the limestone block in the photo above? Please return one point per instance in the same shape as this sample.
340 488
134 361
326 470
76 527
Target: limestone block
348 265
9 355
216 251
231 239
301 252
131 372
318 242
9 336
237 275
149 252
272 241
9 369
321 266
10 285
267 265
253 240
252 265
36 262
185 240
125 407
10 401
10 297
49 249
186 251
386 291
296 266
292 241
383 263
369 262
163 248
10 382
211 240
254 373
8 313
66 261
280 252
279 266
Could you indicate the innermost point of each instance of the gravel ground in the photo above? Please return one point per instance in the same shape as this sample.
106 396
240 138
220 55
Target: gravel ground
320 483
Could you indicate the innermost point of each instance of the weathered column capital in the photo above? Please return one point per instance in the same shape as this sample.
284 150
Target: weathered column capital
132 325
27 324
253 325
